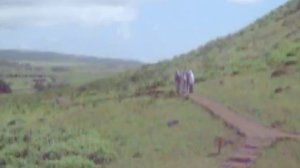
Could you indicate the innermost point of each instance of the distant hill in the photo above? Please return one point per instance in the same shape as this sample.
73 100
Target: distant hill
17 67
37 56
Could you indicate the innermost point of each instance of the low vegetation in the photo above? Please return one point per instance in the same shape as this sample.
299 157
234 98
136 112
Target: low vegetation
48 147
4 87
133 119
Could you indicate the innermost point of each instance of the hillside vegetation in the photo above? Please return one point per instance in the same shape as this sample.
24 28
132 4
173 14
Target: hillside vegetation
269 44
255 72
124 120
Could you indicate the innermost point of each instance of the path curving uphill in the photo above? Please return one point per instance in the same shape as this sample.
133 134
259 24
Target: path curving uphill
257 136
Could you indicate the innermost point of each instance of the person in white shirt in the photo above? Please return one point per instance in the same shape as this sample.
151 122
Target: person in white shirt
191 81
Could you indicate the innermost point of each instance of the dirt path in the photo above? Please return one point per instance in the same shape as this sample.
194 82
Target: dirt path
257 136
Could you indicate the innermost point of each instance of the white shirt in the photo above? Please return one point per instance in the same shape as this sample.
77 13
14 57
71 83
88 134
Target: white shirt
191 74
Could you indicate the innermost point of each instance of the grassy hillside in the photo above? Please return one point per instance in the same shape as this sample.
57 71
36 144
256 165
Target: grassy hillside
271 42
123 120
267 51
269 46
255 72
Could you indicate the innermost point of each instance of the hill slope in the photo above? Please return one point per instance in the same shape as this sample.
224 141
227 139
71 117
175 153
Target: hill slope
270 43
260 63
255 72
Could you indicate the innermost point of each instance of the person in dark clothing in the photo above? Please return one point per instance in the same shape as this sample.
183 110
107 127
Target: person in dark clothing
177 79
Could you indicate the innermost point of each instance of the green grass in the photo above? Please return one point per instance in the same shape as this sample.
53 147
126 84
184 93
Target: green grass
133 132
43 146
285 154
29 138
139 127
253 96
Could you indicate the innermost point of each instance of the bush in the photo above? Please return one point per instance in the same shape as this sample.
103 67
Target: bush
275 58
4 87
47 147
39 87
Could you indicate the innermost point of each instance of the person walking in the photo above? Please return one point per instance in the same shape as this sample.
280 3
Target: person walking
191 81
177 79
184 84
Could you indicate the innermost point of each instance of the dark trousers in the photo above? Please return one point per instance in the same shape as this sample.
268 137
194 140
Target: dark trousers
191 88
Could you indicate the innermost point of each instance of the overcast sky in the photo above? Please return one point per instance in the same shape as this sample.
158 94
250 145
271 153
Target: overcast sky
145 30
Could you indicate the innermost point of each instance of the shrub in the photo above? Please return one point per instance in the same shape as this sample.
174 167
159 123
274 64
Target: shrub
275 58
39 87
4 87
47 147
